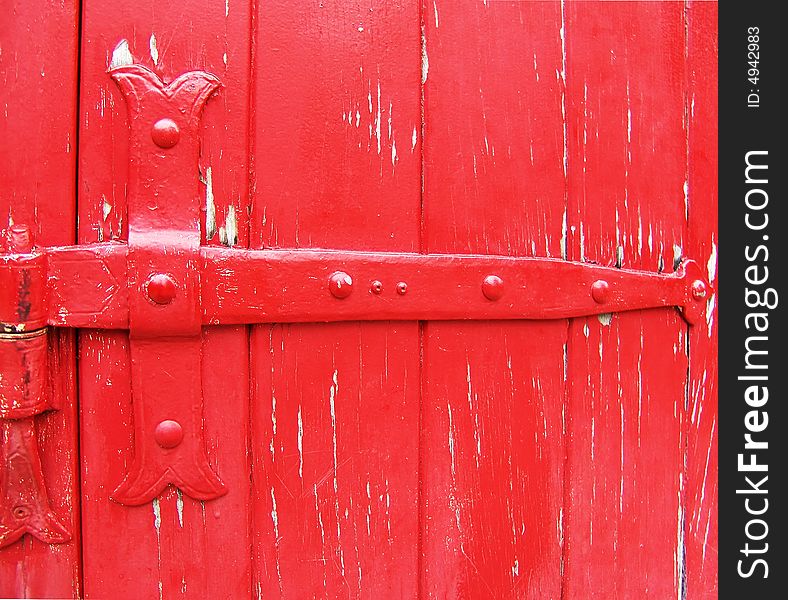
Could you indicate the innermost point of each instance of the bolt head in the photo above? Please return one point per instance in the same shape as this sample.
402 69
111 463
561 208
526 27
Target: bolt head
340 284
492 287
165 133
402 288
161 288
699 289
600 291
168 434
376 287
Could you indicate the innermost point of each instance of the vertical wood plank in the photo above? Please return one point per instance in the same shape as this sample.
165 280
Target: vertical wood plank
335 422
702 429
492 446
38 116
174 547
624 517
335 407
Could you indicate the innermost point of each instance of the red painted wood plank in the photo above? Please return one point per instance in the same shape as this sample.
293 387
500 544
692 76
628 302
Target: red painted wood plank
492 459
335 422
702 423
492 446
38 93
335 407
624 516
174 546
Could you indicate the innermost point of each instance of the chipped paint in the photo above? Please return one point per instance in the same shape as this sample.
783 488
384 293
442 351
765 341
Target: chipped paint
154 50
156 515
106 208
179 506
210 206
425 62
300 444
605 319
228 235
711 264
121 56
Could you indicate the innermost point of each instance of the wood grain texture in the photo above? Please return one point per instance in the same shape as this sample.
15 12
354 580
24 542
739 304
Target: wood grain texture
492 448
335 407
625 514
174 546
335 424
38 116
702 421
461 459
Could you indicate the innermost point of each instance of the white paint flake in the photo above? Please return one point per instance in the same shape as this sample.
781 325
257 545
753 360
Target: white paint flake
228 235
435 8
393 153
179 505
369 510
272 446
686 198
156 515
377 119
563 91
678 253
154 51
210 206
451 442
300 444
425 63
414 138
106 207
121 56
331 398
711 265
710 312
274 514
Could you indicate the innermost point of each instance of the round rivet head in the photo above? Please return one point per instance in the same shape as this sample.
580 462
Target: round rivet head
492 287
165 133
168 434
600 290
21 511
699 289
161 288
340 284
376 287
402 288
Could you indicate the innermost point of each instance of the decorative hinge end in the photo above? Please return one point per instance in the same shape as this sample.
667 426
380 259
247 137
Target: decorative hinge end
197 481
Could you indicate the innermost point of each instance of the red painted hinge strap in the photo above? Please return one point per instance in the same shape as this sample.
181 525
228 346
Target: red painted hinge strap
163 271
256 286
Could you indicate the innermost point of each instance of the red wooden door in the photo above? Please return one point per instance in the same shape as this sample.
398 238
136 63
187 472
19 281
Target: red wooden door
393 456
